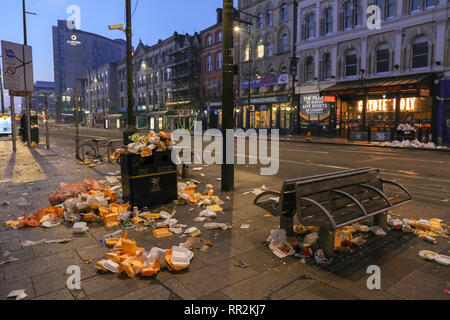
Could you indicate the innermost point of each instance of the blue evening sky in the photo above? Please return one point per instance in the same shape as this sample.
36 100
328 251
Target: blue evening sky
152 20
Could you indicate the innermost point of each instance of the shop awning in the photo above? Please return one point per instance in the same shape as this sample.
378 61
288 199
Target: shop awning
162 113
381 85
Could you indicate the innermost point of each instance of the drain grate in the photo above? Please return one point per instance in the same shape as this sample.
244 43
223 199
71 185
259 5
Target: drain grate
345 265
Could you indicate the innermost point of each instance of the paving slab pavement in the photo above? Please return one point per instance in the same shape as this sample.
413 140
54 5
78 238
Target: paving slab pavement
41 269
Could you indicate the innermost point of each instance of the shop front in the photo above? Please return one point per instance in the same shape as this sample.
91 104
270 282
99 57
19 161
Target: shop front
443 114
385 109
214 115
271 112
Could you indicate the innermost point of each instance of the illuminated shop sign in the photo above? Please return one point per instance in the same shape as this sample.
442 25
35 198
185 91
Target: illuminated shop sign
388 105
73 40
267 81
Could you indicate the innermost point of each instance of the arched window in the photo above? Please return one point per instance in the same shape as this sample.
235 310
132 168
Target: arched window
309 69
382 58
260 49
269 47
283 69
260 21
269 18
219 37
351 63
328 21
310 26
420 52
284 43
326 66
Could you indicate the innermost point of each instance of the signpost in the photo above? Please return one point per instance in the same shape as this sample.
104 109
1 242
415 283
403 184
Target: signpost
18 77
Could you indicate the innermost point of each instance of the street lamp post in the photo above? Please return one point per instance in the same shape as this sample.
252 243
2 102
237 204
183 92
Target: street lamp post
227 94
1 90
47 138
77 132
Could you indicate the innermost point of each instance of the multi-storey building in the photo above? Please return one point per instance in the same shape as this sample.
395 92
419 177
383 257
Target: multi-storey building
44 90
102 96
360 81
166 79
75 52
265 51
211 75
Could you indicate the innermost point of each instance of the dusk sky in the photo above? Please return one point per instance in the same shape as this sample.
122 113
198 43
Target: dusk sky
152 20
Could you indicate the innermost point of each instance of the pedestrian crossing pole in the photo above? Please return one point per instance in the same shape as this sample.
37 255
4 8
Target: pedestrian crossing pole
227 93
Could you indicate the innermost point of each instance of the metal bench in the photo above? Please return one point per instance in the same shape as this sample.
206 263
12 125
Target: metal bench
333 200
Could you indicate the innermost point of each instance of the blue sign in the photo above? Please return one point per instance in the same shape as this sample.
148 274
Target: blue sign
10 53
267 81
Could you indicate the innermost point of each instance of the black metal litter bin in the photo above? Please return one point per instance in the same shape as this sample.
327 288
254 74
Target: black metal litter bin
149 181
34 126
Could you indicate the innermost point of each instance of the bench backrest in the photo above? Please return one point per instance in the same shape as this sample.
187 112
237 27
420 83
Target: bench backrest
288 198
320 189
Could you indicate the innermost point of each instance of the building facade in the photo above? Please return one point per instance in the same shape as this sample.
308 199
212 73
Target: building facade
102 96
361 81
75 52
44 90
211 72
265 51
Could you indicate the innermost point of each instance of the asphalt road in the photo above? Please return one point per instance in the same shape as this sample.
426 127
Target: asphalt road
425 173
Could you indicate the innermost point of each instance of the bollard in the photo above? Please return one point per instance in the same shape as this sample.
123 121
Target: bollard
380 220
326 241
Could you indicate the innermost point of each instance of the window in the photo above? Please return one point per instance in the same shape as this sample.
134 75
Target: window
389 10
310 27
219 61
208 65
209 41
219 37
260 21
246 52
356 13
351 64
269 17
259 49
326 66
284 45
382 58
328 27
347 15
429 3
420 52
415 5
309 69
269 49
284 12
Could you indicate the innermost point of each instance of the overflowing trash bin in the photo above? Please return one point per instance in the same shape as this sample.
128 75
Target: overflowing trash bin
34 129
148 178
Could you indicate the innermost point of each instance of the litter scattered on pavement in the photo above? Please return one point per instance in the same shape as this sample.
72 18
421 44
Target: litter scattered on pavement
241 264
320 258
245 226
433 256
257 191
215 225
18 294
10 259
80 228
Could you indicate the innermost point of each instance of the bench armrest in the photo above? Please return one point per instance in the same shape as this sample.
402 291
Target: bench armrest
266 205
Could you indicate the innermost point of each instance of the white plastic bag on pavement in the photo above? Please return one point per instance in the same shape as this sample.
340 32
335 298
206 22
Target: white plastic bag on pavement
378 231
310 239
215 225
208 213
